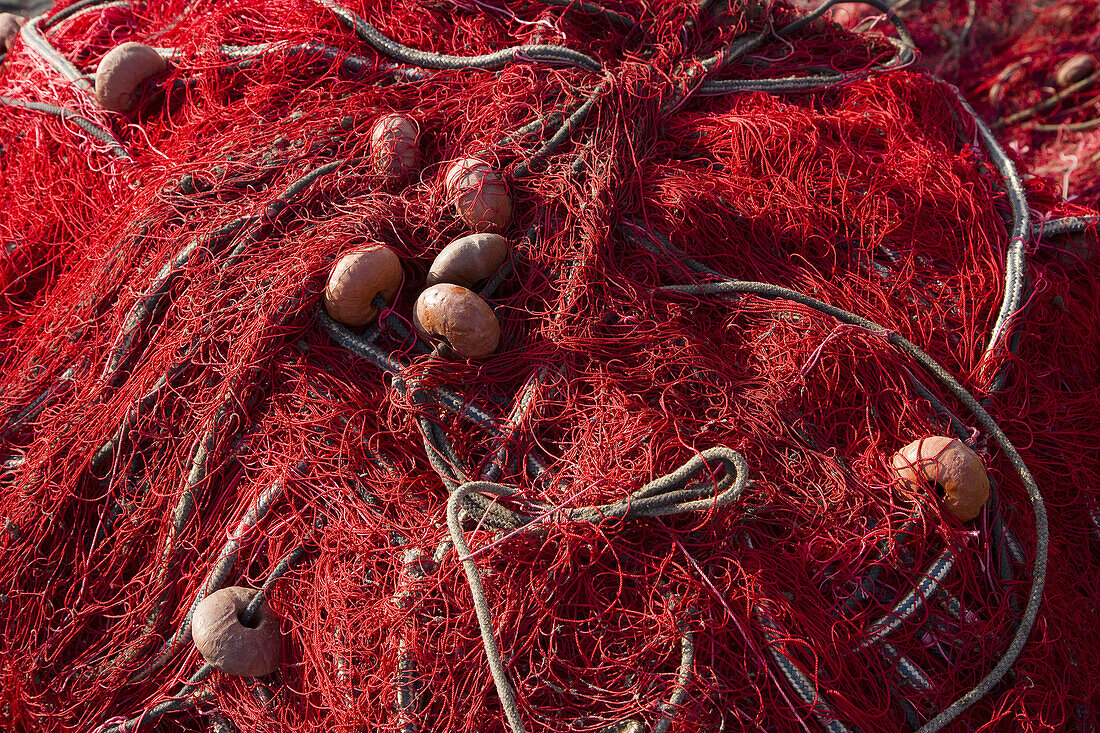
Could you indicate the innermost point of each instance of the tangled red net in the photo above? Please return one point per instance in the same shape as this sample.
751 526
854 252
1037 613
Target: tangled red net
753 254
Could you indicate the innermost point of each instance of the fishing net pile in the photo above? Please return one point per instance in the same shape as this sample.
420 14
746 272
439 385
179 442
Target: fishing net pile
752 254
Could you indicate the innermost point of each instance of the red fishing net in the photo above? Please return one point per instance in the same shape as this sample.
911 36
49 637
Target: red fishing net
753 254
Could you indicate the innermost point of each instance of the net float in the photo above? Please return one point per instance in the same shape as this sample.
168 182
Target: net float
850 15
479 195
9 29
395 146
468 260
122 71
357 279
1074 69
226 643
459 317
950 466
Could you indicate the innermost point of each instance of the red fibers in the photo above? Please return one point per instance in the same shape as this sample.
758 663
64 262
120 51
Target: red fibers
874 196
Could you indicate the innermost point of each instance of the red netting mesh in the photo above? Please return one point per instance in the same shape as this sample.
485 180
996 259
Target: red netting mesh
178 414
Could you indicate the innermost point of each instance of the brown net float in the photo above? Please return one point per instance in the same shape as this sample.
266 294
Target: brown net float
479 195
9 29
458 317
468 260
357 279
394 146
121 73
227 644
948 464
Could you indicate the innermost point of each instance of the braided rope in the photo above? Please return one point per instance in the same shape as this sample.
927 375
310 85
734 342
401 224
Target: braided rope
1066 225
34 39
666 495
792 672
96 131
486 62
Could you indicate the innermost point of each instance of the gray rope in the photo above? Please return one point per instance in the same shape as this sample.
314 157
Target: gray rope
277 206
624 726
144 403
927 588
661 497
492 285
437 447
550 121
249 55
912 719
520 411
445 462
749 42
802 684
221 724
96 131
883 6
181 701
76 8
39 403
186 505
866 588
701 8
283 567
1065 225
683 676
1015 257
505 692
957 425
908 671
180 515
33 39
392 365
901 59
523 169
1047 103
672 493
733 50
490 61
415 567
912 601
147 311
1005 548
